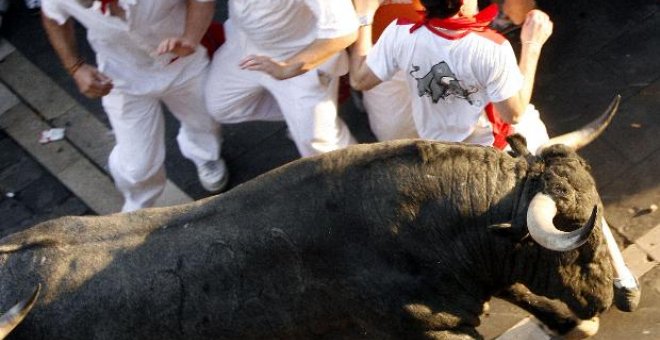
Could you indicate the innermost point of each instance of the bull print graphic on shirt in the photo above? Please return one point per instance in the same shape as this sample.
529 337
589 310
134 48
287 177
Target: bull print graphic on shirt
439 83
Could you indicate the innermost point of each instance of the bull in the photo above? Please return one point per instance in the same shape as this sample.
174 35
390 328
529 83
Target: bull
399 240
440 82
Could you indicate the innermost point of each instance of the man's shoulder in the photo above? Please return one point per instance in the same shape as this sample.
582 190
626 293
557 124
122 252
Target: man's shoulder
59 2
404 22
58 10
491 35
399 27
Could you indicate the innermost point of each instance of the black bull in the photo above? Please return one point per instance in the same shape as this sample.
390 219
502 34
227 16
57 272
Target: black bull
393 240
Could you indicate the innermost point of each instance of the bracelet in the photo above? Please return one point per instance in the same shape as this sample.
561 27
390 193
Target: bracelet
532 43
366 20
73 68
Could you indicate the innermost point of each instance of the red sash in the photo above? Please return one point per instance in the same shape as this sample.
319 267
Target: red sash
501 129
104 5
213 38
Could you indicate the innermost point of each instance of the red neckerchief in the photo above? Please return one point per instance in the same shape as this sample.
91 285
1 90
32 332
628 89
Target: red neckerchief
479 22
105 4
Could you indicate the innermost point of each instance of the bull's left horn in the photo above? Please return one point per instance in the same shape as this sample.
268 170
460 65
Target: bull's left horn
542 209
582 137
16 314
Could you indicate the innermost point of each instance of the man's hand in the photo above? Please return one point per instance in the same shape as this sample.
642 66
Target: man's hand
537 28
276 69
179 46
91 82
517 10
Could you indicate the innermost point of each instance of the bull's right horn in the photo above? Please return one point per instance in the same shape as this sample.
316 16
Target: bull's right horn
542 209
16 314
582 137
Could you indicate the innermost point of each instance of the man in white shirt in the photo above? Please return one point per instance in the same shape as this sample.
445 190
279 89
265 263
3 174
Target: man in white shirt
147 52
455 67
282 60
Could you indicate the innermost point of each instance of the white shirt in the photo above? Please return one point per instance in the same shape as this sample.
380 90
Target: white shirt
125 48
451 80
281 28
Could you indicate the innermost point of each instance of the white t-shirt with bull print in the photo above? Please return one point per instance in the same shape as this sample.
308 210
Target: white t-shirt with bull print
451 79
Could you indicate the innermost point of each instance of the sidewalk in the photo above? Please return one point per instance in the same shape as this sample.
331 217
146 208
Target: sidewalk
594 53
35 104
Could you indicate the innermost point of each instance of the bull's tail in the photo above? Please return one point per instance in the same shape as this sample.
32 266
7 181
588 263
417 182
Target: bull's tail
16 314
414 69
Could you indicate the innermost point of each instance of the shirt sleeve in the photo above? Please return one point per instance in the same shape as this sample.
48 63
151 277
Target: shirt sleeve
505 79
382 58
53 10
335 18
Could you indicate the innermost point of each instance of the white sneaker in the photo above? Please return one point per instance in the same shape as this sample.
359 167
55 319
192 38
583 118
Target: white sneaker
213 175
33 4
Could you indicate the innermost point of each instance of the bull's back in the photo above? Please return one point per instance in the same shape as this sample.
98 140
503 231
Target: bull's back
275 251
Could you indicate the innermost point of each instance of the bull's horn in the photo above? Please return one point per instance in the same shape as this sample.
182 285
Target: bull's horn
542 209
16 314
580 138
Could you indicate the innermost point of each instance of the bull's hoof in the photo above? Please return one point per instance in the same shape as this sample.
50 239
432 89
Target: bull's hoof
626 299
585 329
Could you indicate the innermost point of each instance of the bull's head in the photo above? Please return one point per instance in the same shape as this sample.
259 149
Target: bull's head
565 207
566 187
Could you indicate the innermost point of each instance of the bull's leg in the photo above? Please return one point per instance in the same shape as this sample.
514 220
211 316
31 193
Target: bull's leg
436 314
554 314
626 288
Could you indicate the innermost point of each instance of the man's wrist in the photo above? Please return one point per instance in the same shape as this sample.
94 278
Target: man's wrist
535 45
366 19
73 68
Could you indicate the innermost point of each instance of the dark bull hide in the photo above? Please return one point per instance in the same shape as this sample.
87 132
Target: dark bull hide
401 240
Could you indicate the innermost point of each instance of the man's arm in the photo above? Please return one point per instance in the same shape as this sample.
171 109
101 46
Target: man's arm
90 81
336 32
198 18
535 32
315 54
361 76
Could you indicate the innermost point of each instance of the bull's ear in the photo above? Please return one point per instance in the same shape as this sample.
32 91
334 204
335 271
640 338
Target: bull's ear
508 230
518 144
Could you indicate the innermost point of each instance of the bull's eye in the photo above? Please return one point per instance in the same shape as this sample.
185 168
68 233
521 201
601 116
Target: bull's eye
559 191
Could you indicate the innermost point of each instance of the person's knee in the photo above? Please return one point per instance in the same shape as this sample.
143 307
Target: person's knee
134 169
213 106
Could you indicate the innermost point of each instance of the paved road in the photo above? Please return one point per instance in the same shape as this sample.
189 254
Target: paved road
598 50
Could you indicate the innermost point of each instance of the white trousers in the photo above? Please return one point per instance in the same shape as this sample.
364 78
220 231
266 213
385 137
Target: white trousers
308 102
532 128
137 160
